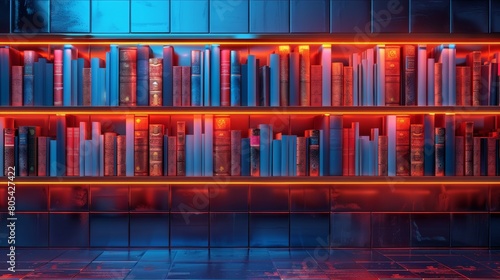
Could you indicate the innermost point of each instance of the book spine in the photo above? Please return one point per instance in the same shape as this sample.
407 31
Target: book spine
492 156
110 154
155 82
409 83
114 69
452 75
316 85
235 152
129 145
438 84
5 79
417 150
450 145
264 86
459 152
95 93
88 157
28 81
128 77
251 81
181 148
314 152
87 87
121 155
142 94
38 81
177 86
67 74
172 156
141 148
244 84
74 82
186 86
390 131
156 149
196 97
76 148
197 146
215 76
167 76
294 79
42 155
222 146
254 134
58 77
429 157
379 73
266 132
347 96
345 151
274 64
356 148
284 75
444 60
53 158
337 83
61 145
96 149
17 86
374 138
382 155
356 78
305 76
209 145
365 155
100 152
245 157
276 147
463 86
439 151
80 65
292 158
469 149
206 76
235 79
225 77
189 155
107 75
302 148
474 61
368 78
49 85
484 156
165 156
82 137
103 99
403 145
33 132
284 154
422 75
476 165
70 151
493 84
335 153
23 151
326 63
485 87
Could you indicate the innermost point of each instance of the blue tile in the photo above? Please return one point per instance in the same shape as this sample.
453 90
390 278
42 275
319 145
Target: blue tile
430 230
32 198
77 256
390 230
391 16
228 198
30 16
270 16
189 229
470 17
152 198
32 230
121 255
189 16
150 16
494 230
302 11
69 16
352 16
109 198
430 16
69 230
269 230
149 229
468 230
158 255
269 199
110 16
309 198
229 16
350 230
69 198
228 229
109 230
495 16
309 229
190 198
110 265
67 265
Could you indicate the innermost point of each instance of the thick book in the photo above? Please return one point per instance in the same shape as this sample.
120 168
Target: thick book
438 84
196 88
347 96
449 145
468 133
141 157
264 83
373 147
417 150
172 156
274 90
156 149
244 84
421 75
302 147
185 86
251 81
483 158
143 54
403 145
28 81
177 86
110 154
337 83
254 135
439 151
326 78
429 158
222 146
235 152
225 77
316 85
409 83
284 153
474 62
155 82
23 151
314 153
305 75
294 79
128 77
356 78
43 155
459 155
245 157
165 156
463 81
284 52
382 155
9 57
215 75
181 149
58 77
336 138
167 76
235 78
17 86
70 151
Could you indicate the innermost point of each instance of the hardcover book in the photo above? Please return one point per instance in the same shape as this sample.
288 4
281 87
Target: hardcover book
347 97
17 85
222 146
186 86
172 156
403 145
155 82
409 76
225 77
110 154
438 84
284 52
141 161
417 150
314 153
254 135
474 62
382 155
143 53
459 148
439 150
128 77
468 130
305 76
392 75
337 83
181 148
302 148
235 79
196 88
463 86
316 85
235 152
156 149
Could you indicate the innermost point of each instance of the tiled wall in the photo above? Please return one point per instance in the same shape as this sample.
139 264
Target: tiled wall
250 16
255 216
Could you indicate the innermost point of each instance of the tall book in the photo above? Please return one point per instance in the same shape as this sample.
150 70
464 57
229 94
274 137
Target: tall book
452 75
215 76
129 145
438 84
264 83
476 164
110 154
225 77
81 142
421 75
70 151
429 158
69 54
181 148
121 168
276 147
493 84
284 52
114 69
274 90
58 77
95 84
417 150
314 153
326 85
43 155
155 82
167 76
347 97
379 76
266 135
95 149
156 149
374 148
141 157
23 151
492 156
356 78
245 157
337 83
17 86
235 152
345 151
463 86
206 76
235 78
87 87
439 151
28 81
49 85
430 82
222 146
128 77
251 81
367 72
474 62
467 131
9 157
382 155
305 75
390 131
335 153
254 135
208 149
449 155
409 76
185 86
143 54
403 145
39 79
316 85
196 89
60 163
189 155
459 155
294 79
302 147
172 156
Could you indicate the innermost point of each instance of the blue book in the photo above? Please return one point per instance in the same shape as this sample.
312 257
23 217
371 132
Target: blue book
391 145
101 155
5 65
74 82
39 81
374 151
284 155
379 76
326 62
215 75
364 155
244 85
252 80
88 157
114 73
165 153
324 146
23 151
449 150
452 86
245 156
276 157
292 160
235 79
28 78
108 73
202 78
61 145
129 144
197 146
429 156
357 149
189 155
444 59
206 76
367 74
67 75
96 148
294 94
265 148
208 150
104 96
48 99
95 95
79 69
83 137
143 53
196 88
168 84
274 64
53 158
336 126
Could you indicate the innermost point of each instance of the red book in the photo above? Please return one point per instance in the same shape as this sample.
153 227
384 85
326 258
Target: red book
392 75
235 152
128 77
352 152
141 146
222 146
337 83
225 77
403 145
177 86
186 86
474 61
476 164
313 152
9 161
316 85
17 86
172 156
58 77
347 97
492 155
467 131
459 155
121 150
417 150
42 155
284 52
383 147
110 156
87 86
463 81
345 151
155 82
301 156
70 152
409 76
438 83
76 148
305 75
156 149
181 148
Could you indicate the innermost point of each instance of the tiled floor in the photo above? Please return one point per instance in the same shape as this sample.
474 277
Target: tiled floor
252 264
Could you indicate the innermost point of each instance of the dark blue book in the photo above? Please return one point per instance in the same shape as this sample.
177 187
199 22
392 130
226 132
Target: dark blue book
143 54
276 157
365 155
484 156
498 158
5 98
74 82
39 82
245 157
196 97
449 154
48 99
235 79
336 126
429 156
294 82
292 155
252 80
168 82
53 157
114 76
494 84
265 148
215 75
28 79
285 154
67 75
61 145
264 77
244 85
101 80
23 151
206 76
95 64
274 76
79 93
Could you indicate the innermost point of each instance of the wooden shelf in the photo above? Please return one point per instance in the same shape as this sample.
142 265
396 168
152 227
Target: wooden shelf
222 181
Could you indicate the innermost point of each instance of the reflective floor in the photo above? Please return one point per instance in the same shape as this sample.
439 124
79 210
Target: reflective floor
252 264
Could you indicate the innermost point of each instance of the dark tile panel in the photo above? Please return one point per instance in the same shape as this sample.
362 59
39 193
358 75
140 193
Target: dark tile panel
228 229
309 16
5 16
495 16
109 230
353 16
469 230
189 229
270 16
430 16
110 16
31 198
350 230
495 198
149 229
468 199
470 16
150 16
69 16
430 230
391 16
309 198
30 16
390 230
229 16
32 230
69 198
109 198
269 198
494 230
69 230
148 199
228 198
189 16
189 198
309 229
269 230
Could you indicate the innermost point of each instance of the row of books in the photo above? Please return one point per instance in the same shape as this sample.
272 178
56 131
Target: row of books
431 147
131 76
